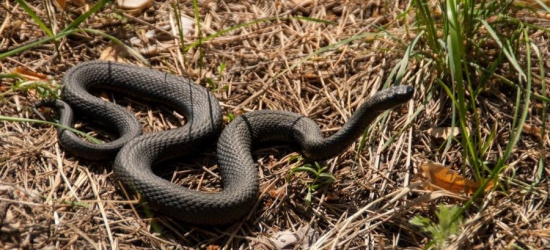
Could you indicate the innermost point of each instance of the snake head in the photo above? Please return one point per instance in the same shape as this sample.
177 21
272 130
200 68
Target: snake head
392 97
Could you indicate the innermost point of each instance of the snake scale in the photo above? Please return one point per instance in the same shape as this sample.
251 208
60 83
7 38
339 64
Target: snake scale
135 154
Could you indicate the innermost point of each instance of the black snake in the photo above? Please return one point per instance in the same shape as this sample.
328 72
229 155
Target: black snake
136 153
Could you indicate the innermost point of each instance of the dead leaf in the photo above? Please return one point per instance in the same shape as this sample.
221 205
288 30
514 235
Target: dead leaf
4 206
277 193
12 228
445 178
372 37
135 5
443 133
61 4
303 3
261 245
186 25
287 239
332 197
534 131
114 53
213 247
79 3
150 50
104 95
29 75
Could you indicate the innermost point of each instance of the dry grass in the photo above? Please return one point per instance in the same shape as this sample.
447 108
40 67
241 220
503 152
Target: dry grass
50 200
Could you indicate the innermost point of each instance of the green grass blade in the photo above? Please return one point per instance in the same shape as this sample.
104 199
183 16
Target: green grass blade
398 71
181 35
543 90
34 44
17 119
506 49
404 62
304 168
51 37
35 17
527 101
543 5
13 75
426 19
457 57
518 122
86 15
199 31
131 50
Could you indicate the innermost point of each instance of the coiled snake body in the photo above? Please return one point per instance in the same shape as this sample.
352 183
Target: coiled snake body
135 153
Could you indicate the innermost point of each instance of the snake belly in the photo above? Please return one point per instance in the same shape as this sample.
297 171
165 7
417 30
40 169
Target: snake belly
134 161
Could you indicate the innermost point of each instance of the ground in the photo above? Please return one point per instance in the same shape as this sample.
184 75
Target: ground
50 199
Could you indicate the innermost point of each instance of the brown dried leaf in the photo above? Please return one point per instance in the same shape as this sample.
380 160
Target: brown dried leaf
79 3
61 4
277 193
445 178
303 3
29 75
114 53
534 131
288 239
443 132
135 5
